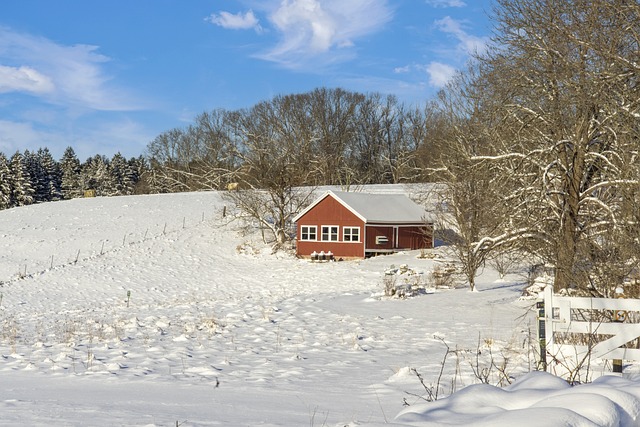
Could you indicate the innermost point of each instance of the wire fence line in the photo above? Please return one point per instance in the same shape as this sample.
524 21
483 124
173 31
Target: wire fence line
33 267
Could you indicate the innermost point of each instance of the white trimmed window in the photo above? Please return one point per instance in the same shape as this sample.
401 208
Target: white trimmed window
351 234
329 233
309 232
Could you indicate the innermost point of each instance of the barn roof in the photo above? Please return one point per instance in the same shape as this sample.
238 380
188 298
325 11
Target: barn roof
376 208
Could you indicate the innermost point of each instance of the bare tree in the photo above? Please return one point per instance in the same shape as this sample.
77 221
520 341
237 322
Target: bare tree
470 195
274 165
333 125
199 156
564 78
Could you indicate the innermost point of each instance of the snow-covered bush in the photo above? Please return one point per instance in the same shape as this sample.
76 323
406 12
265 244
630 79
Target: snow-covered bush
403 282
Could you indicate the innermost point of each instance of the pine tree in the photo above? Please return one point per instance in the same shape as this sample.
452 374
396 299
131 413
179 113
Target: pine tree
140 169
5 183
121 176
70 180
95 175
37 176
52 175
21 189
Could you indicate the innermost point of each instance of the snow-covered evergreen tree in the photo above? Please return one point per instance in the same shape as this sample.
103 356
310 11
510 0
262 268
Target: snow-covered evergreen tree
121 176
140 169
70 169
37 176
95 175
5 183
21 189
52 175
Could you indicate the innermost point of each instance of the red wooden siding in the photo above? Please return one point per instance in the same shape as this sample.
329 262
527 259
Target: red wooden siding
398 237
330 212
374 231
414 238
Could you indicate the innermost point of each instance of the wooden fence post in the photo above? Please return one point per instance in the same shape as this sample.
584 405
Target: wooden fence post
542 341
545 318
548 314
618 316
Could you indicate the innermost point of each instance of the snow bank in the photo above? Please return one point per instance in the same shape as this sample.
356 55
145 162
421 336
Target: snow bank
535 399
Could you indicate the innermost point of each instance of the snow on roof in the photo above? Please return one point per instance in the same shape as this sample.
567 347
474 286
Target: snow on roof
376 208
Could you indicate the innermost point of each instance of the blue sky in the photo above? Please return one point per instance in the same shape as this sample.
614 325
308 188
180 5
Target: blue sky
109 76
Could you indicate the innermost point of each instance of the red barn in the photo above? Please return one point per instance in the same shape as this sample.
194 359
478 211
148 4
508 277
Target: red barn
357 225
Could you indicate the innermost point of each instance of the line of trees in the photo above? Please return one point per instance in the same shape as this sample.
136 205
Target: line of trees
323 137
35 177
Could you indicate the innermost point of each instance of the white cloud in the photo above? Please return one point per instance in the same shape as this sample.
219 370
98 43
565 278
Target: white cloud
23 79
312 29
19 136
237 21
72 76
439 74
113 135
468 43
88 138
446 3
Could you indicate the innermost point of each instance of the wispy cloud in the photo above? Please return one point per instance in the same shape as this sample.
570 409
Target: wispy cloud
16 135
238 21
446 3
88 138
23 79
468 43
439 74
310 33
449 56
402 70
309 28
72 76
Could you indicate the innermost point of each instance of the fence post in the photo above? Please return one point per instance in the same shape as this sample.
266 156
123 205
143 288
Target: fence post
618 317
549 303
542 364
545 327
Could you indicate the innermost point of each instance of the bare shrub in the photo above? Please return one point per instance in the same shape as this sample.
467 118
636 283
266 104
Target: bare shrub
389 281
505 262
442 277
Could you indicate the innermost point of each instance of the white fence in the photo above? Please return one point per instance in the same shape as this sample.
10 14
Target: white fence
593 328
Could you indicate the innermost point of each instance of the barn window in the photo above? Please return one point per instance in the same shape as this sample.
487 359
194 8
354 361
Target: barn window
309 232
330 233
351 234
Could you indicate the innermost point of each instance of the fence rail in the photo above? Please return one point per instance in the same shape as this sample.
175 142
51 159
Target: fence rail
604 318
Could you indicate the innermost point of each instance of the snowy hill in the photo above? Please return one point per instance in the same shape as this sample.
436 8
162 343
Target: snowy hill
152 310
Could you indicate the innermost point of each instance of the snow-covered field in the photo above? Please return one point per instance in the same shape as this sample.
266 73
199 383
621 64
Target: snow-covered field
156 311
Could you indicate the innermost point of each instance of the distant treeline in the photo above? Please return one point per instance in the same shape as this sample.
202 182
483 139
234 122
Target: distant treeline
35 177
322 137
